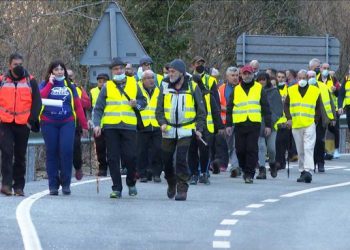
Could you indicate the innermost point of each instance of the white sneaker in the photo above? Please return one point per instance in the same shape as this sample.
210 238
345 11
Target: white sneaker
336 154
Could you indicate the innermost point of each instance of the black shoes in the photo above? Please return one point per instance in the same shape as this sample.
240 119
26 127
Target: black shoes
102 173
171 191
305 177
66 190
143 179
248 178
19 192
181 196
320 166
157 179
204 179
235 172
194 180
53 192
6 190
273 170
262 173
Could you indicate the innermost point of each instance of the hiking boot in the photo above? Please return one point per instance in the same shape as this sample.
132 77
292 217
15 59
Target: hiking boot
279 166
66 190
79 174
143 179
53 192
157 179
305 177
262 173
181 196
204 179
171 191
19 192
132 190
234 172
102 173
273 170
6 190
320 167
115 195
216 167
194 180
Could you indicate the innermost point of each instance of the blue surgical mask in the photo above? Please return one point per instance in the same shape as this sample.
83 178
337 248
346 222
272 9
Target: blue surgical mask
119 78
302 83
59 78
312 81
325 73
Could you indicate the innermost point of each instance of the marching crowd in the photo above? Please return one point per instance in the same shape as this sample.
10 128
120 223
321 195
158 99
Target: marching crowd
185 124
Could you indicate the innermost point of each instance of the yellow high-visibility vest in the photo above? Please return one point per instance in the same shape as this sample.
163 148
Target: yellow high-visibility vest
284 91
149 113
208 81
179 111
302 109
210 123
247 106
347 92
329 84
94 95
117 108
326 101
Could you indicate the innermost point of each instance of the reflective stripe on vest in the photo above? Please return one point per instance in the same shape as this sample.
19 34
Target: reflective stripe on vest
149 113
247 106
326 101
330 84
15 101
302 109
347 93
94 95
179 108
117 107
210 124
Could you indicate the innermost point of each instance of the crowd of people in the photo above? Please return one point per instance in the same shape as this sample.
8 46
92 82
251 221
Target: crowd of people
187 124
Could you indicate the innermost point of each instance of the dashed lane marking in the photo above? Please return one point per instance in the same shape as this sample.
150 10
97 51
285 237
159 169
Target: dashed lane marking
221 244
255 206
222 233
270 200
229 222
241 212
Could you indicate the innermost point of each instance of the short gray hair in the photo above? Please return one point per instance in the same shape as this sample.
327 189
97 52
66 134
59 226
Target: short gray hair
311 73
314 61
232 69
302 71
146 72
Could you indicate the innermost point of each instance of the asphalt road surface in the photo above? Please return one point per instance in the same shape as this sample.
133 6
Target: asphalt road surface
228 214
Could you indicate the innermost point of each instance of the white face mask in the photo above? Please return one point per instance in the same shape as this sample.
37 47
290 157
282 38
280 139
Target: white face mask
302 83
312 81
281 84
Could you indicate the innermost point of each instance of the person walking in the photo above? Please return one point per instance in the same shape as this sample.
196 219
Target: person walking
20 105
58 126
180 112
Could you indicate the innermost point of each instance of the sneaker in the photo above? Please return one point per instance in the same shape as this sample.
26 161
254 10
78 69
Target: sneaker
53 192
234 172
248 180
132 190
124 171
336 154
102 173
79 174
66 190
216 167
115 195
19 192
204 179
157 179
6 190
305 177
194 180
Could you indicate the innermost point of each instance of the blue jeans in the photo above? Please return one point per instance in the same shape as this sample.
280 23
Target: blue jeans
59 141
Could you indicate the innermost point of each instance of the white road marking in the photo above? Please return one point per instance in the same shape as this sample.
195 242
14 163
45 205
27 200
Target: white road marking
310 190
334 167
222 233
29 234
270 200
255 206
241 212
347 169
229 222
221 244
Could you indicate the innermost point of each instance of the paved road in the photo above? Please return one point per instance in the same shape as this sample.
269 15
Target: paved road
225 214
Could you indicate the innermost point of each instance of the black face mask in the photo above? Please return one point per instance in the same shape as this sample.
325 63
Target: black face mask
128 73
317 70
19 71
200 69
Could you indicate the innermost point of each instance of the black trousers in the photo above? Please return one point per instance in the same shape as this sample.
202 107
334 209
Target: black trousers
221 149
121 144
199 154
319 145
77 153
283 138
149 142
101 152
13 146
335 131
293 148
246 142
180 173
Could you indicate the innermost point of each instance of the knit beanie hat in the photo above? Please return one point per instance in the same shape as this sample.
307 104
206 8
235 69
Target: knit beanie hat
178 65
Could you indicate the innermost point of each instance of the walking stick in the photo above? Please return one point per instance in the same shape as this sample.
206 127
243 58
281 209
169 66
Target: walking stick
289 147
90 150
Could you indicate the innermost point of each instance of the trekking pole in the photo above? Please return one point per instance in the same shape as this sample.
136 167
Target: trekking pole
289 147
90 150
